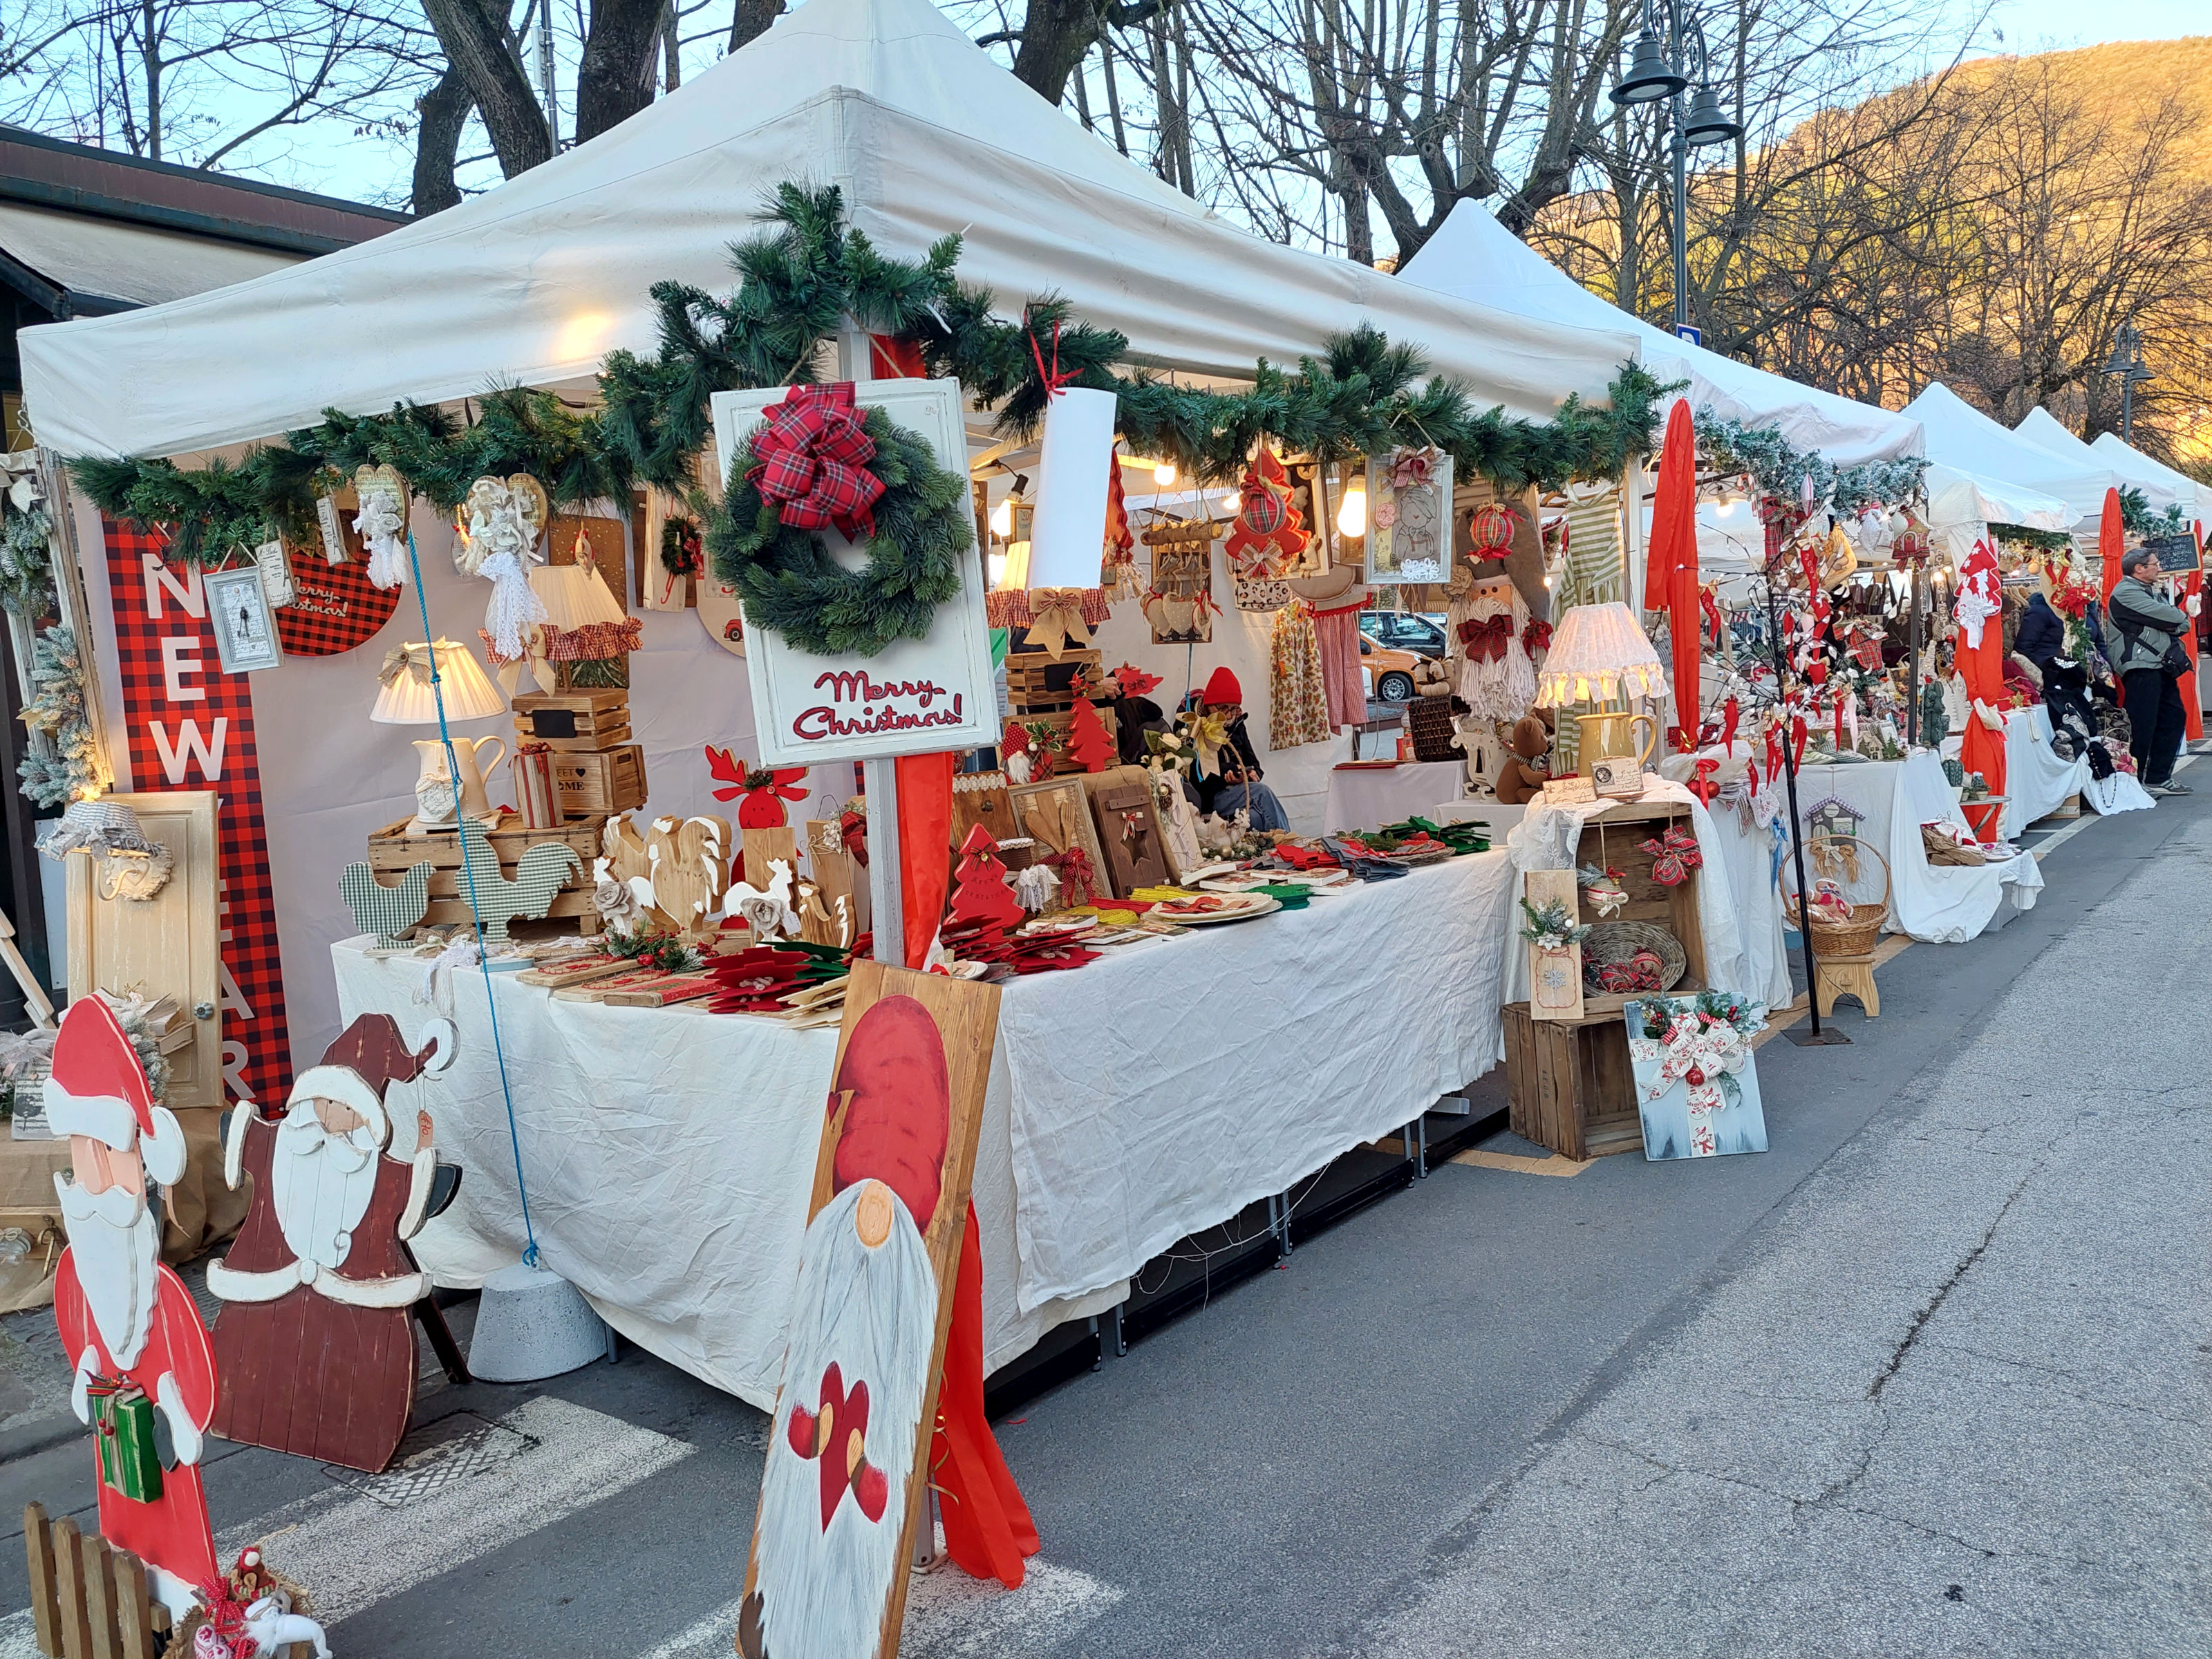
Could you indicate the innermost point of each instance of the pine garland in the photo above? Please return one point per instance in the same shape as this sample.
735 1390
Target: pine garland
1780 470
26 577
57 709
791 587
2137 519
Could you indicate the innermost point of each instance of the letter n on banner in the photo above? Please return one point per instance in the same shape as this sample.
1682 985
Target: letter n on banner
192 727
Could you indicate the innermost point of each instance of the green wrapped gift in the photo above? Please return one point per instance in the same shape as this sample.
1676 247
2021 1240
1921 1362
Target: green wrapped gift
123 1419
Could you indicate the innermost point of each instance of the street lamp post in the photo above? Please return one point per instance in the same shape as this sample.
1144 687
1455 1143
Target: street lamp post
2127 362
1664 64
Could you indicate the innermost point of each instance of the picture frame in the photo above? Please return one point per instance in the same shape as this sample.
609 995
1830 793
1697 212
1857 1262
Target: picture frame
1409 517
245 628
1055 814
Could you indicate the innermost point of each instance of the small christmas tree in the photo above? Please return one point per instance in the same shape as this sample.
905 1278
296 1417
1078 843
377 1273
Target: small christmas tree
1087 740
982 895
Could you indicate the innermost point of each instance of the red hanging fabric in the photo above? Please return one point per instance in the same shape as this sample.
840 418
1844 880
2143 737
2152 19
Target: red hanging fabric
2111 540
987 1529
924 833
893 359
1670 571
1982 666
2192 586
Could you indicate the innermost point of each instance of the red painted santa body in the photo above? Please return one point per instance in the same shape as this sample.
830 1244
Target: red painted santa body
129 1325
315 1332
863 1336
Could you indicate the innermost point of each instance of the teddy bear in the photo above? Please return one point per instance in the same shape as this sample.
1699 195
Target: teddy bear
1521 779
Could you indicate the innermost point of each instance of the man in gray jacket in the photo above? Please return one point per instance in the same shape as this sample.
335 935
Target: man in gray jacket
2153 639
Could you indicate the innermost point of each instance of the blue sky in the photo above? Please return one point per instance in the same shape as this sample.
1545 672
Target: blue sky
2031 25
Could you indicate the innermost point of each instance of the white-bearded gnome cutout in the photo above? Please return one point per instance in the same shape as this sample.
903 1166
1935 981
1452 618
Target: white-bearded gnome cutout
128 1324
1498 682
841 1454
315 1331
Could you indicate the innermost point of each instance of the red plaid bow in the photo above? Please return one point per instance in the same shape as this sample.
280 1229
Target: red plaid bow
811 461
1486 640
1536 636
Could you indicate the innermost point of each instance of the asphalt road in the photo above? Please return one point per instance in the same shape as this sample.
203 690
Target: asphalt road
1926 1378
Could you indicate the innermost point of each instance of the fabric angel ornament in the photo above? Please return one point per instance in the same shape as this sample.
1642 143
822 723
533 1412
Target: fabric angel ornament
501 544
382 524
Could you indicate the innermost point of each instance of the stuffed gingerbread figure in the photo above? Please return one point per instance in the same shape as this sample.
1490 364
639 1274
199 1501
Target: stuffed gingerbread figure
1523 776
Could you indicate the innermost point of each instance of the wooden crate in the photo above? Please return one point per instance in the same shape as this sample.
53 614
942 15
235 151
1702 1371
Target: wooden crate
574 721
1038 684
89 1600
600 784
1610 840
1568 1085
392 852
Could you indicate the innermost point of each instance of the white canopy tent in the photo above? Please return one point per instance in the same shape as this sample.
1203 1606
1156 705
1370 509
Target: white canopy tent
1960 436
1476 259
2043 429
536 281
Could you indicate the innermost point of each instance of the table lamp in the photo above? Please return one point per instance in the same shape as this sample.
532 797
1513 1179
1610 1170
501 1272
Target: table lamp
586 630
405 697
1600 656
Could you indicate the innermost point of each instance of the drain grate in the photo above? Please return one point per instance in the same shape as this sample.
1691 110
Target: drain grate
437 1455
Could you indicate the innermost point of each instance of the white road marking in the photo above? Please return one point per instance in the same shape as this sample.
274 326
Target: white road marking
949 1615
353 1551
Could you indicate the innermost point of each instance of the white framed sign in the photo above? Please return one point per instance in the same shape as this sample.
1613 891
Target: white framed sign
244 632
914 697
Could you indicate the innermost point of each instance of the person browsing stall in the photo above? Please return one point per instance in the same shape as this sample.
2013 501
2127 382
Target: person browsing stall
1236 787
2149 634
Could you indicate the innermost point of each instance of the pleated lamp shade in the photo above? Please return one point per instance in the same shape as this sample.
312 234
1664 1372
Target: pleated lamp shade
468 691
1599 654
575 596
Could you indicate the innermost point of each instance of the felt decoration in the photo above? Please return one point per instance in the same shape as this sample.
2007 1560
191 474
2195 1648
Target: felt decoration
386 912
765 788
982 895
1087 740
1270 534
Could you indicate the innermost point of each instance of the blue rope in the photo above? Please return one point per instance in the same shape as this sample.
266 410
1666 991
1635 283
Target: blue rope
469 874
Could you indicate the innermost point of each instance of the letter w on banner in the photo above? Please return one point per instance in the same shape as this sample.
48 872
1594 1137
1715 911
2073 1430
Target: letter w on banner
192 727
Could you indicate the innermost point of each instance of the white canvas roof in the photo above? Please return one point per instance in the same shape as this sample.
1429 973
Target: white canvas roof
1475 258
2159 484
535 280
1961 436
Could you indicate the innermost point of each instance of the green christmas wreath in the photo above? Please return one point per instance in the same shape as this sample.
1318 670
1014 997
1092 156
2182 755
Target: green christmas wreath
790 585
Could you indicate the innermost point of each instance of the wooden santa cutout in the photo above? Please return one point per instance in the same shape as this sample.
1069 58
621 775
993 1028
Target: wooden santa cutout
127 1323
316 1336
841 1491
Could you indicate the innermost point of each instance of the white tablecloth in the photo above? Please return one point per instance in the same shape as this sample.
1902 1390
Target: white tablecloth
1368 797
1152 1094
1936 904
2037 782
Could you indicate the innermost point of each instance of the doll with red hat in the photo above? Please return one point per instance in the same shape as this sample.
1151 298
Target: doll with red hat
128 1324
1232 784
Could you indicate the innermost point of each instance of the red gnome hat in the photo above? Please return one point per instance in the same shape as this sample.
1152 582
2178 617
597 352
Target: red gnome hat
368 1057
98 1089
899 1113
1221 688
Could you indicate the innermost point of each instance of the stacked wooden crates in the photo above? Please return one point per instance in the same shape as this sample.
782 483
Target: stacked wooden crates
392 852
1567 1081
597 770
1040 688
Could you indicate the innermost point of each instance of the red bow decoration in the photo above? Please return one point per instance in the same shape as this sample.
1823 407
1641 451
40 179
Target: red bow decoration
1077 880
1486 640
1536 636
765 788
1412 468
853 828
1703 786
828 1436
811 461
1673 855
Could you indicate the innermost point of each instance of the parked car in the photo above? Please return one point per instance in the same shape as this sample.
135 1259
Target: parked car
1389 673
1404 630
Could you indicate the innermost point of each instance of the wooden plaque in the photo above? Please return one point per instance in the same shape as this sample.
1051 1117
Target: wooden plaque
914 1055
1555 977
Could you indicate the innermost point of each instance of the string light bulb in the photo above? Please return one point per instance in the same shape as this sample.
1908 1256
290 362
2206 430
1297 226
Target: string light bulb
1351 511
1163 474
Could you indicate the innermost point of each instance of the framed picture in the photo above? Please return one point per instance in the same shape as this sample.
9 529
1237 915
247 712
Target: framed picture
1055 814
1697 1079
245 631
1409 533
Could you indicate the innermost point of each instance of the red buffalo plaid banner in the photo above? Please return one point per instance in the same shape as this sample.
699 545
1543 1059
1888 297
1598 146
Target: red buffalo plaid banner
190 727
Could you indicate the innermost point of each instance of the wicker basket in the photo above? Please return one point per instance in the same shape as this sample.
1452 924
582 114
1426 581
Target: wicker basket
1844 855
1436 738
1616 942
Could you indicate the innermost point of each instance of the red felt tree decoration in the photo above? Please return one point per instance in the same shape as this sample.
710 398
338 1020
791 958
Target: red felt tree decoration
982 894
765 789
1087 740
1269 533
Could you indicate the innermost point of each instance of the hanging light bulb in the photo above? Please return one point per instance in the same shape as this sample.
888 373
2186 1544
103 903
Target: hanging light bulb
1351 511
1002 518
1163 474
